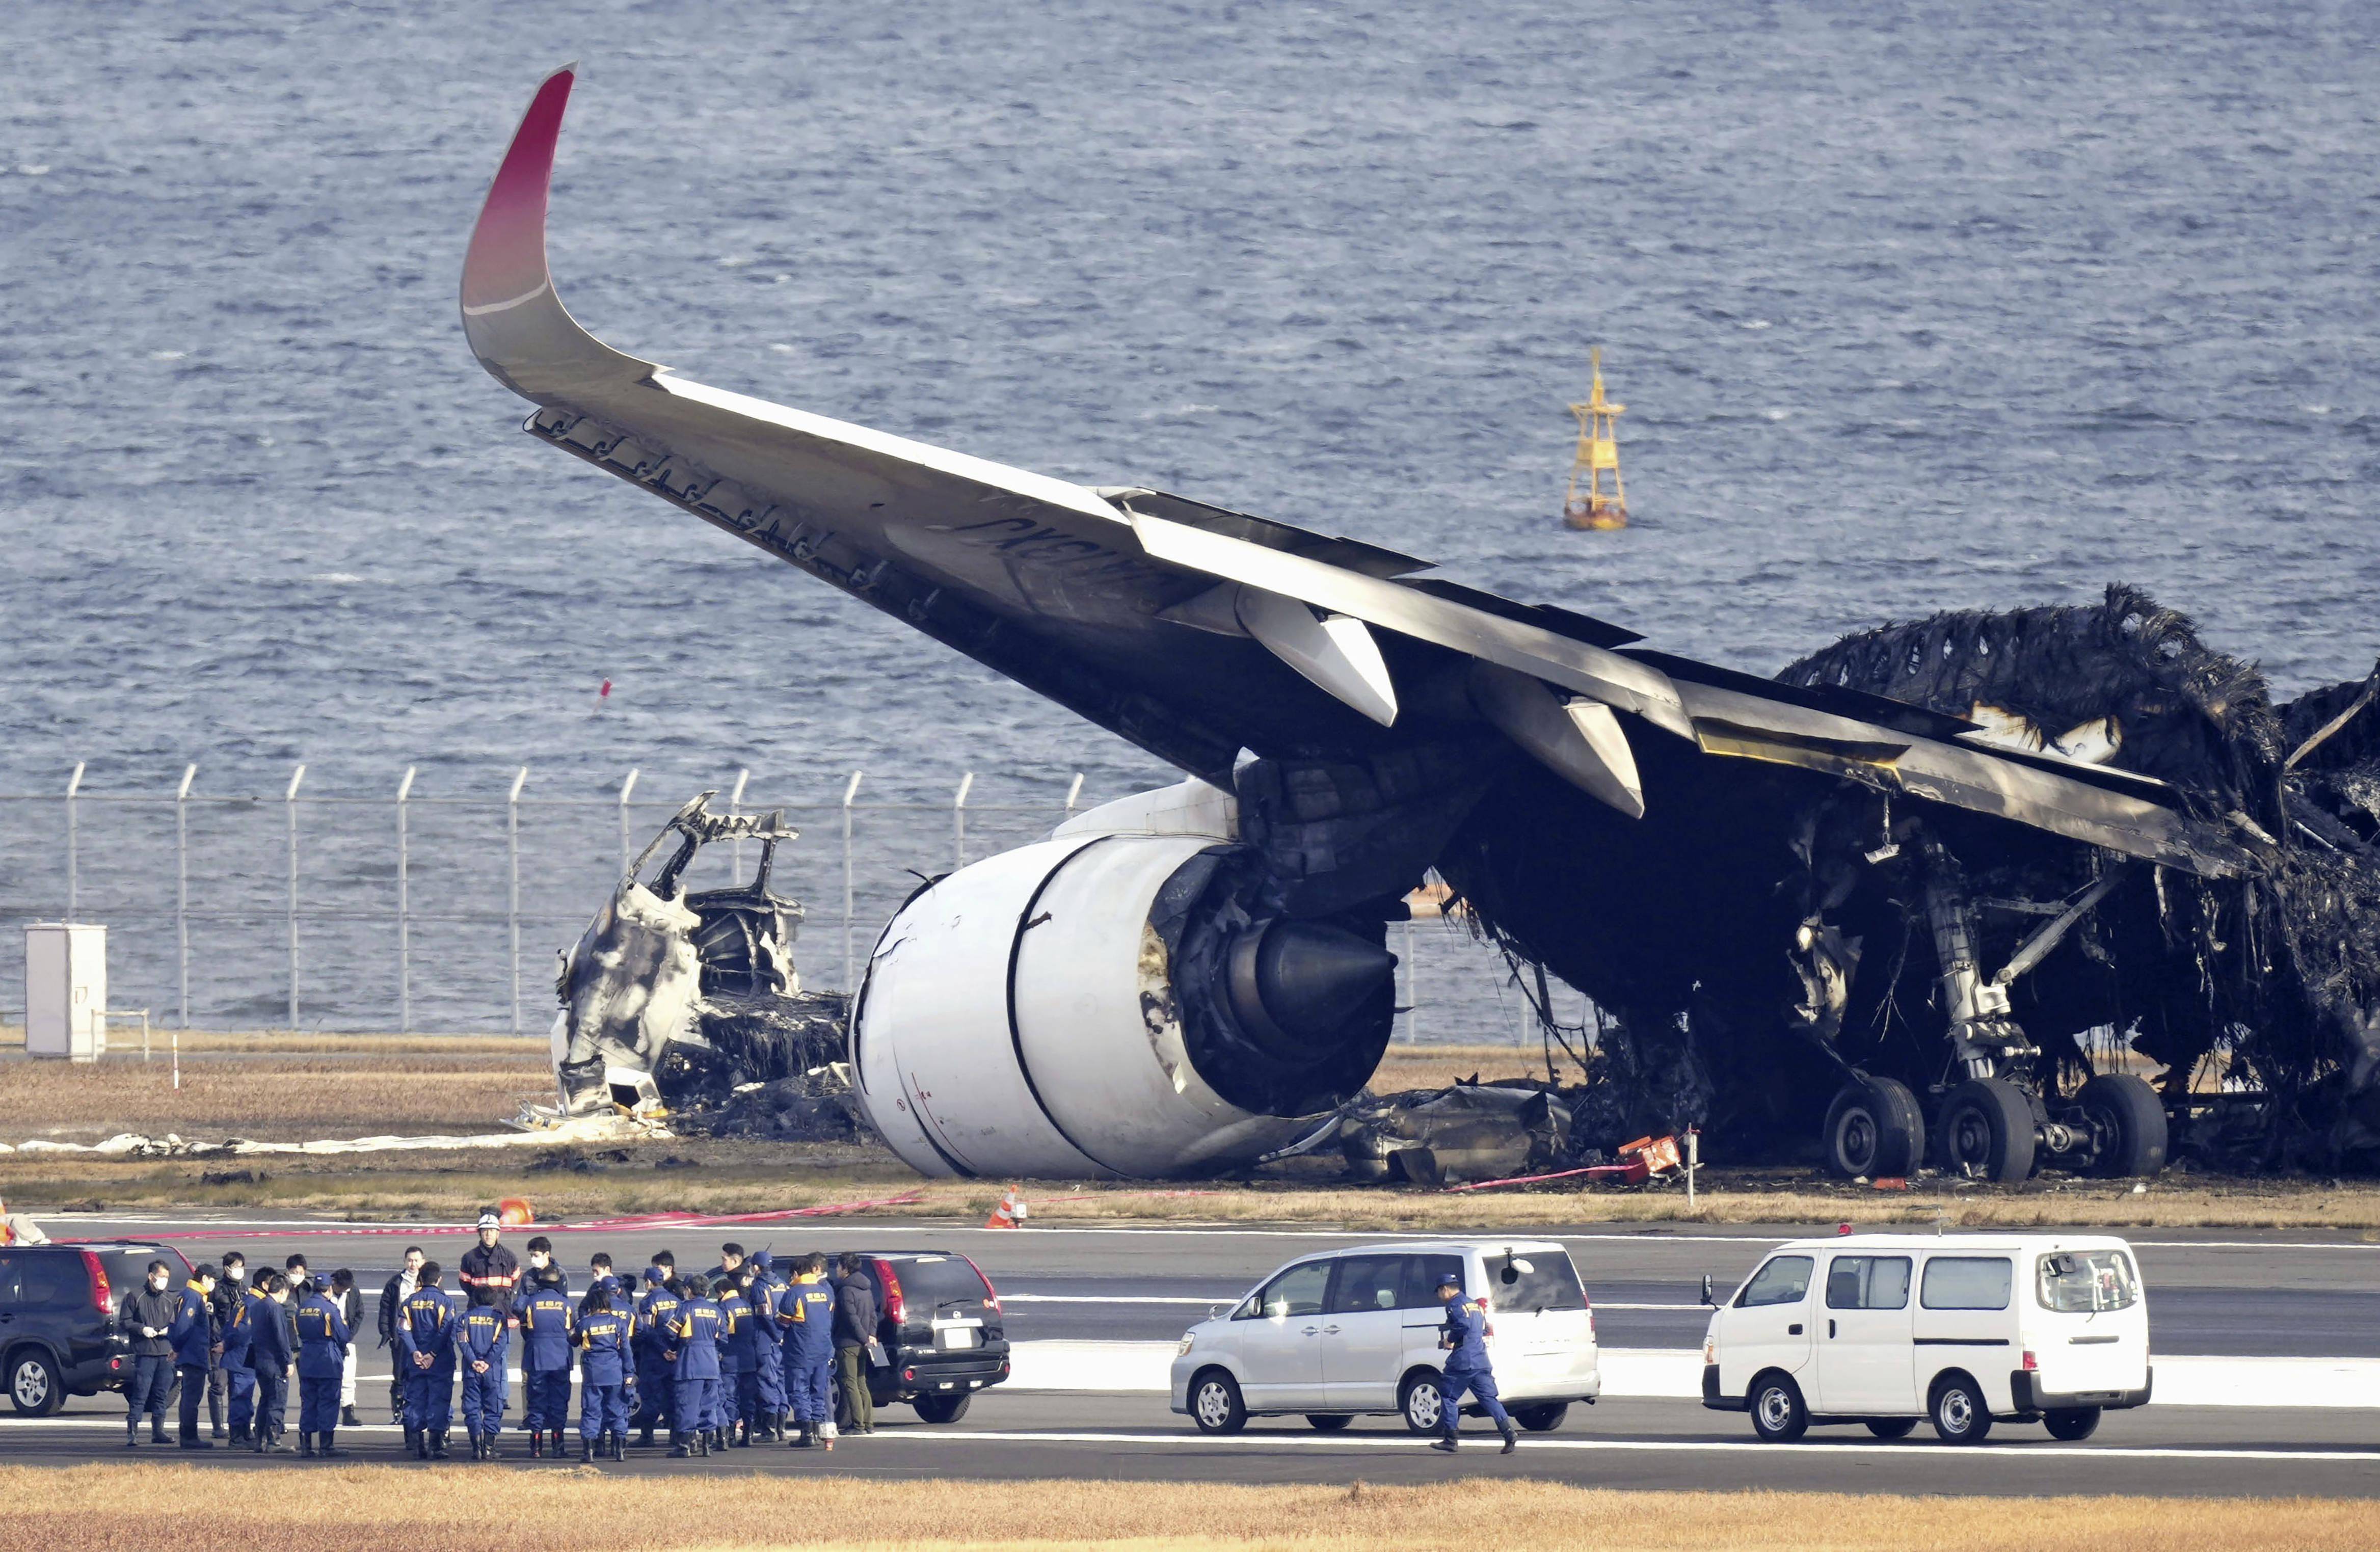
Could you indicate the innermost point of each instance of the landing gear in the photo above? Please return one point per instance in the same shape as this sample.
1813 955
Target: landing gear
2127 1120
1874 1130
1987 1131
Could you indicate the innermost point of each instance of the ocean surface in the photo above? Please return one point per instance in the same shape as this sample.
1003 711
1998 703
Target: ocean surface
1913 306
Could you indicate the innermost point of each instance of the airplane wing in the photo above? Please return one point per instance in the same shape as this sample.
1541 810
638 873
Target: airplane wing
1194 631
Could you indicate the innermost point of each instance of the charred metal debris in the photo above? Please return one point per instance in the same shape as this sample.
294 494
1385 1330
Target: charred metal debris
686 1006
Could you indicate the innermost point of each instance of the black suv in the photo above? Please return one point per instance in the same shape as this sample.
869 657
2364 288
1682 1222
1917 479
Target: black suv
58 1335
941 1327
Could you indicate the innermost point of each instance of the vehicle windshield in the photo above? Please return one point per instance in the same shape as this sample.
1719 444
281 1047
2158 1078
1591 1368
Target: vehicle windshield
1785 1280
1530 1280
2086 1281
939 1283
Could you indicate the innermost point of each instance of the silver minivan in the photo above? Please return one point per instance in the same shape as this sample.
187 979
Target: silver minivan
1353 1332
1885 1330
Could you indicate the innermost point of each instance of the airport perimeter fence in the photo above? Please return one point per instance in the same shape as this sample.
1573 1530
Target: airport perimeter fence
410 910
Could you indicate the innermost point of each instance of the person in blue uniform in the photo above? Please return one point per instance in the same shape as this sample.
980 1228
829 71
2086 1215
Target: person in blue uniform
322 1338
806 1315
734 1363
1464 1338
239 1378
655 1394
482 1336
693 1335
545 1318
761 1404
193 1336
425 1356
603 1336
271 1358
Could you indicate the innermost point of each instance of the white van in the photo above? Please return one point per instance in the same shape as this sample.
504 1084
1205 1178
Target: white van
1887 1329
1354 1332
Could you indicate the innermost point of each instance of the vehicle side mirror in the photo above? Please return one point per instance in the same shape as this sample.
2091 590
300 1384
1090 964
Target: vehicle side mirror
1709 1298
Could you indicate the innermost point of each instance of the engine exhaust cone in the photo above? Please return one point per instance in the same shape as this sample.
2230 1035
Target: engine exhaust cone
1297 983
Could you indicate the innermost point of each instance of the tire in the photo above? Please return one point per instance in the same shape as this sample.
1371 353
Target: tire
1215 1403
1328 1422
2071 1423
1422 1402
1542 1419
942 1409
35 1387
1891 1427
1987 1131
1875 1128
1959 1412
1778 1414
2128 1119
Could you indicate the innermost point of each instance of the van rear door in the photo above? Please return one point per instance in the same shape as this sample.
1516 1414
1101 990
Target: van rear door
1545 1337
2089 1327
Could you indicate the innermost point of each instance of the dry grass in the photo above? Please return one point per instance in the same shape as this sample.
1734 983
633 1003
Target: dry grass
108 1508
126 1037
277 1097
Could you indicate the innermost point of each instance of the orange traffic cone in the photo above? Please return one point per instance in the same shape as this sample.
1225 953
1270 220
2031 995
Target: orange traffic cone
516 1212
1011 1211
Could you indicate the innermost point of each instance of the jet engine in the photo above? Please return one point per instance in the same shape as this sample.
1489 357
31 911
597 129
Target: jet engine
1113 1002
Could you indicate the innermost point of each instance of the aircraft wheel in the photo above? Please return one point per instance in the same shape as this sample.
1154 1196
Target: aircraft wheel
1987 1131
1875 1128
2130 1121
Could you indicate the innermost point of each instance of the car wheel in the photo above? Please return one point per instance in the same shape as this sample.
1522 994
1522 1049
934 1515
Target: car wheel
1891 1427
1542 1419
1215 1403
2071 1423
2128 1121
1960 1415
1423 1402
942 1409
1328 1422
1875 1128
35 1388
1987 1131
1778 1414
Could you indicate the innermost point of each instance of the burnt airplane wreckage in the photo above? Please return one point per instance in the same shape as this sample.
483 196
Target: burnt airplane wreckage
1882 902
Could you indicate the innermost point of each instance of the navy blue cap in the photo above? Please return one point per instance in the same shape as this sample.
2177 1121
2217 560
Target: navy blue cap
654 1273
1452 1280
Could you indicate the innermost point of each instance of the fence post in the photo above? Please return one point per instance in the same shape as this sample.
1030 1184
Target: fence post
1073 794
74 785
290 809
512 897
626 788
735 847
959 822
404 910
850 790
182 886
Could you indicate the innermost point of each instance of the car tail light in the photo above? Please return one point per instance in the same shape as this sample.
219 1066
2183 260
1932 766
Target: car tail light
991 1294
896 1308
908 1375
2032 1364
102 1297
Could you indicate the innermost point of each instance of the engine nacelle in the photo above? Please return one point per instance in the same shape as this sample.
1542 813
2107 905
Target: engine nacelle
1099 1005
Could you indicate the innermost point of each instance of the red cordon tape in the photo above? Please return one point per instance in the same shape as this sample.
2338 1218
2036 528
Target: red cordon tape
600 1226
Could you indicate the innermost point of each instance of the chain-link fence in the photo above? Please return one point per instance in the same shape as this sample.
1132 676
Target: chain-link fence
308 908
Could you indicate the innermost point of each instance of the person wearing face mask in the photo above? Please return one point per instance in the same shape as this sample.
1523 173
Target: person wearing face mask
350 1300
147 1319
232 1317
272 1354
230 1290
392 1295
300 1280
193 1336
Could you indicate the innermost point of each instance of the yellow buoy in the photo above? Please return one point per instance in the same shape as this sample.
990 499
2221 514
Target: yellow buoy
1587 504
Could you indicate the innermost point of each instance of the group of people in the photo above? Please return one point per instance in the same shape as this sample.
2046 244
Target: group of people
746 1353
233 1344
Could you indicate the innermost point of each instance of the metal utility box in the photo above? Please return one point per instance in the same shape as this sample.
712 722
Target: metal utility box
65 990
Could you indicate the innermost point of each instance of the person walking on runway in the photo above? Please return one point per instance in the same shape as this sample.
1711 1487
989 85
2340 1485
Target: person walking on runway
1464 1338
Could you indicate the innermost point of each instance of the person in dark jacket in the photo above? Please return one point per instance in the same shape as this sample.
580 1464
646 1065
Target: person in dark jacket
734 1357
806 1315
767 1285
239 1380
271 1357
393 1295
301 1281
491 1265
322 1341
193 1335
692 1336
603 1338
540 1261
229 1291
425 1355
482 1336
1464 1338
854 1327
545 1362
350 1300
147 1319
655 1404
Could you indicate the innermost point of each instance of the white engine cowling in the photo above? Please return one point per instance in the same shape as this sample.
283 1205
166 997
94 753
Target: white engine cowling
1020 1017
